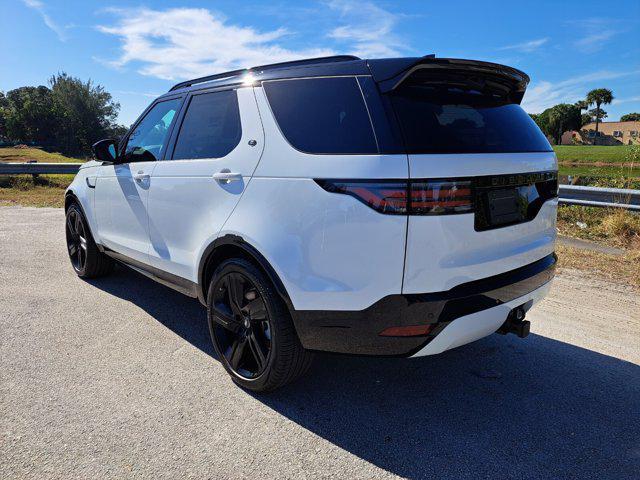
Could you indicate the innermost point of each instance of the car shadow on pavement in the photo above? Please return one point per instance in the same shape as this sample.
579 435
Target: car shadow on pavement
498 408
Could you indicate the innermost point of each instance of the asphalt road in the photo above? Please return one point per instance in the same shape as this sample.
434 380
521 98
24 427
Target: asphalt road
116 378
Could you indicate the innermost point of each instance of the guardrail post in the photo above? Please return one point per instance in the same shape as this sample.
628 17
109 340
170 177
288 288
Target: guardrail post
34 176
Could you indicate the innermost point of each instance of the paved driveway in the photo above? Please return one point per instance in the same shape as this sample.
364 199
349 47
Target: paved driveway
116 377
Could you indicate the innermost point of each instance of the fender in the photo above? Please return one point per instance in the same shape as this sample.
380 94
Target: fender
69 197
251 252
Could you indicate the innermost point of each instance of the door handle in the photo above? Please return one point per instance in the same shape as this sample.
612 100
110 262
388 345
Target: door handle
140 176
227 176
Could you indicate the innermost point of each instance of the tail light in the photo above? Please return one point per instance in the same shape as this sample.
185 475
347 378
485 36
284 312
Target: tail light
407 197
388 197
440 197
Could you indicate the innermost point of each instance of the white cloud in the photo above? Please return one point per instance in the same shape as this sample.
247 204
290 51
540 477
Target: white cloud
618 101
137 94
529 46
40 7
368 27
544 94
183 43
595 33
595 39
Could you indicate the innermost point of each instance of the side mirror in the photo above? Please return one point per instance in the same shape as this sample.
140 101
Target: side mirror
106 150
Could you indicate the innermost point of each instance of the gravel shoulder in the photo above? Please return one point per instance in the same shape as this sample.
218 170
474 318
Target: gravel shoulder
116 378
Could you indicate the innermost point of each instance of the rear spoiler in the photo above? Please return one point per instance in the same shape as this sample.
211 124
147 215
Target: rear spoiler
390 73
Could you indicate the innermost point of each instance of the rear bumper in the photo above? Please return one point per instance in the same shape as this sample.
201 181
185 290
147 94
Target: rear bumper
463 314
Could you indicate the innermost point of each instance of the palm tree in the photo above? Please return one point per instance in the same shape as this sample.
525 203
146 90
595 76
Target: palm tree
582 105
599 96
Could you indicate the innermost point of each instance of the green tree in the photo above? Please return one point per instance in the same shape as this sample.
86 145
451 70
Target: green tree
582 105
599 97
4 110
561 118
542 120
558 119
29 115
85 113
597 115
630 117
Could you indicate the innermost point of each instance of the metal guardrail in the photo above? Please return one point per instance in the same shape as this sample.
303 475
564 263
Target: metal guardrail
600 197
33 168
568 194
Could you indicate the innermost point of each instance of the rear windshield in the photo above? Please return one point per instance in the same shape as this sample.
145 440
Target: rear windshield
440 120
322 115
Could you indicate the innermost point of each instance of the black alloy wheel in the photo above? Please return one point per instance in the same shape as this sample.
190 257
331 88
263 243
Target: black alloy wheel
242 330
251 328
87 260
76 240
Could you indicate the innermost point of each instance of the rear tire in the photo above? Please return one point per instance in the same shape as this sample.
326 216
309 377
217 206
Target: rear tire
87 261
251 328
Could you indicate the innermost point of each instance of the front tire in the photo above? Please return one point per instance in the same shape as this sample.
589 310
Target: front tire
86 260
251 328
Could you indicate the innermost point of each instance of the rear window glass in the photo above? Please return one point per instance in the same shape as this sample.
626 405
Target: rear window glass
211 127
438 120
322 115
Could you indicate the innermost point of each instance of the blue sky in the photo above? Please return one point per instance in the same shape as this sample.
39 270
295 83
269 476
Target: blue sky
138 50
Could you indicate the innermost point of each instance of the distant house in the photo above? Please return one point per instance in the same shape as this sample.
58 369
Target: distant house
609 133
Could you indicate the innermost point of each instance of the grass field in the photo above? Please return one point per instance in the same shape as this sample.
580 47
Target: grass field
591 154
614 227
13 154
45 190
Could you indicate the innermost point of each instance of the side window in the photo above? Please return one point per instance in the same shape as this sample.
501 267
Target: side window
211 126
322 115
149 139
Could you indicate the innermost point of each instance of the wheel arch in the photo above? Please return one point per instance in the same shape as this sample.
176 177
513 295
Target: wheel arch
69 198
230 246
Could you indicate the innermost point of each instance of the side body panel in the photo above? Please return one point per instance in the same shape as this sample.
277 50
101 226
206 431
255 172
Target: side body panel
187 206
331 251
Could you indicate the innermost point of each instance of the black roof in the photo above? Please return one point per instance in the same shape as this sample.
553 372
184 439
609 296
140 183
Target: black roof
386 72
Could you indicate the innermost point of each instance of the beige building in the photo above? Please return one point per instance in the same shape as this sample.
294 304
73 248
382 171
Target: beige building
609 133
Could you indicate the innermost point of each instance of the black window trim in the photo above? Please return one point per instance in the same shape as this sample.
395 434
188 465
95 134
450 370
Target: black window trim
125 139
364 100
183 111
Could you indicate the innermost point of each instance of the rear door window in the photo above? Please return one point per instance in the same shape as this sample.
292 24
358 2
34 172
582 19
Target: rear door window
211 126
443 120
322 115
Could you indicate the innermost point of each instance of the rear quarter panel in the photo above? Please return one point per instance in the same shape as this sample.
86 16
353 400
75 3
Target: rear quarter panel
331 251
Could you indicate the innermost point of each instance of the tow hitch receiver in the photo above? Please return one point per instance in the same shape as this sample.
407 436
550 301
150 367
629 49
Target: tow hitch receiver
516 323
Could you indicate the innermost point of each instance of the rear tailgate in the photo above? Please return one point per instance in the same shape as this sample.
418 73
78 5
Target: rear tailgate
446 250
483 177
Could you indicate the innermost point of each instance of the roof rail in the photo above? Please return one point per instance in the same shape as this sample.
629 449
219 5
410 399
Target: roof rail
307 61
207 78
293 63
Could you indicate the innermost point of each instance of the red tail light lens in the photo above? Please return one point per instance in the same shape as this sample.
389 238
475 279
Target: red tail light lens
402 198
384 197
440 197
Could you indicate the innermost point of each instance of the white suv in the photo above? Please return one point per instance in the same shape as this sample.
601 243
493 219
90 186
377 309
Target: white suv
395 207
